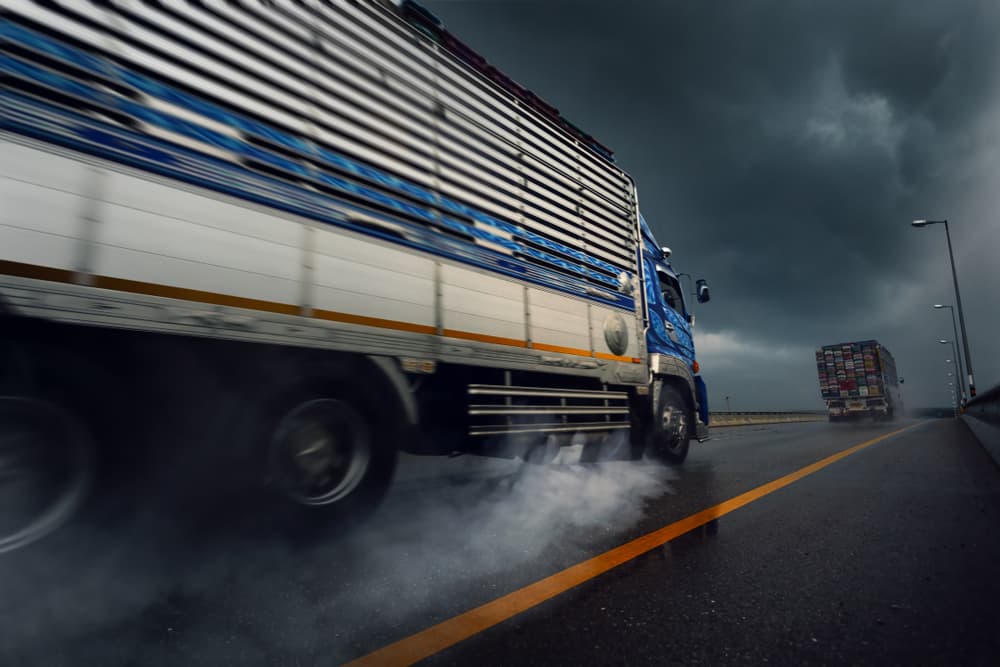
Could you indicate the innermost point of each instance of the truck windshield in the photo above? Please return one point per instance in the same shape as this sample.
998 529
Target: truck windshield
671 291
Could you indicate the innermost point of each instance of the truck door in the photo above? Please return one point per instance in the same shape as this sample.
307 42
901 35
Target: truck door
669 330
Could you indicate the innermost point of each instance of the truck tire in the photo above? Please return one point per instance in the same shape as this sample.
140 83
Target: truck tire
669 435
46 469
328 454
58 394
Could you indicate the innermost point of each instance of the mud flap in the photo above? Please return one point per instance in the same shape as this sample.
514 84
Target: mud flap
701 432
702 395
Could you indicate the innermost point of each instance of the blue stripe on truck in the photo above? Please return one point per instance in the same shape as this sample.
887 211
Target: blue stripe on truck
243 150
31 118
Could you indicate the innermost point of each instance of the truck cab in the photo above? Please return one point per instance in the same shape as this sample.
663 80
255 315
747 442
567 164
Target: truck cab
669 339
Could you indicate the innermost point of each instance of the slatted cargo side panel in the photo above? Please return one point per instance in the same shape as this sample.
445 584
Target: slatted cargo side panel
339 111
522 168
39 218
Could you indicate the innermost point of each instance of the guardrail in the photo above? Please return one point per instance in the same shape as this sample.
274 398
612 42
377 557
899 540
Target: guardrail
720 419
982 415
986 406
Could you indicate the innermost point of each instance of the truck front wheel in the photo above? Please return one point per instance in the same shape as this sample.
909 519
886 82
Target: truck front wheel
670 434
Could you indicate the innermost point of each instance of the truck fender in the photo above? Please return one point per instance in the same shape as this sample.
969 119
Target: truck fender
398 380
670 369
664 365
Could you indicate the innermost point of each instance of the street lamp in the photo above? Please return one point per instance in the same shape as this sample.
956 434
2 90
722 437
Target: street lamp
958 299
954 351
954 398
958 363
954 328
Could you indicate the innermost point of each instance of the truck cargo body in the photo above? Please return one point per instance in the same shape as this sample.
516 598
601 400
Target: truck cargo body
341 177
858 380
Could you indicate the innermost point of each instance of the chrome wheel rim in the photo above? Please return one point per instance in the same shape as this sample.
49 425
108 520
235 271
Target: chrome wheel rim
674 427
46 470
320 452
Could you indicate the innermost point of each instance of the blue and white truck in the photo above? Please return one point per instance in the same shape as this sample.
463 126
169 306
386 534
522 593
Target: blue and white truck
392 243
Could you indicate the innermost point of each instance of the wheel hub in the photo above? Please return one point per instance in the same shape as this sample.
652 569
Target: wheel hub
674 425
320 451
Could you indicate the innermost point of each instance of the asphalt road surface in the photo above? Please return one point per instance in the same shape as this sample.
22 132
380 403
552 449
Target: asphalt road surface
889 555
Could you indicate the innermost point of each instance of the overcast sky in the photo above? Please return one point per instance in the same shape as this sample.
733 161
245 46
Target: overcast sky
781 149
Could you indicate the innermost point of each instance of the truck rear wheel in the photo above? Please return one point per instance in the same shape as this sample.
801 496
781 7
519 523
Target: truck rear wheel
670 434
46 469
67 435
320 451
329 455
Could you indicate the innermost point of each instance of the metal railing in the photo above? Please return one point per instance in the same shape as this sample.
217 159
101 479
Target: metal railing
714 413
982 416
985 406
733 418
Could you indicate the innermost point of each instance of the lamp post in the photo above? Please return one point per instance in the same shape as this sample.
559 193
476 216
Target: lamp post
727 405
954 351
958 300
958 358
951 385
958 365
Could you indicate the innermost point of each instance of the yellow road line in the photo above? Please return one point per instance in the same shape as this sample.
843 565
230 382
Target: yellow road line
459 628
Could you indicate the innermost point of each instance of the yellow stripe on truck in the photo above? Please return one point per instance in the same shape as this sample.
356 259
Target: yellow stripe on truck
49 274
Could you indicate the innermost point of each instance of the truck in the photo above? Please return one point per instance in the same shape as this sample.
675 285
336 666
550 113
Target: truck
858 380
379 240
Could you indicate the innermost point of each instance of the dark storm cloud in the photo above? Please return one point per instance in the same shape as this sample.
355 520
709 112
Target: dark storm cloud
781 148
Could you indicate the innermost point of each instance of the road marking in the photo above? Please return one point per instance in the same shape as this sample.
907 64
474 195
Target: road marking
459 628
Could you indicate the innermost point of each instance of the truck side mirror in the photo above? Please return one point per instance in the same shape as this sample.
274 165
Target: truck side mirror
704 294
900 380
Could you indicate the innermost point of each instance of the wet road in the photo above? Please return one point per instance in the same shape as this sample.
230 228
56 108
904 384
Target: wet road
887 556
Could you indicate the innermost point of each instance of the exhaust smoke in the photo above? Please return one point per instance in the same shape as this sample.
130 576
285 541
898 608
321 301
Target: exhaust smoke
453 534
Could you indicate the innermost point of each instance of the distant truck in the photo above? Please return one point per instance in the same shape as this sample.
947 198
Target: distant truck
858 380
396 245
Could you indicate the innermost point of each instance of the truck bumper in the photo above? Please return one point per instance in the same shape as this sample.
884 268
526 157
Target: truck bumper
873 412
701 432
